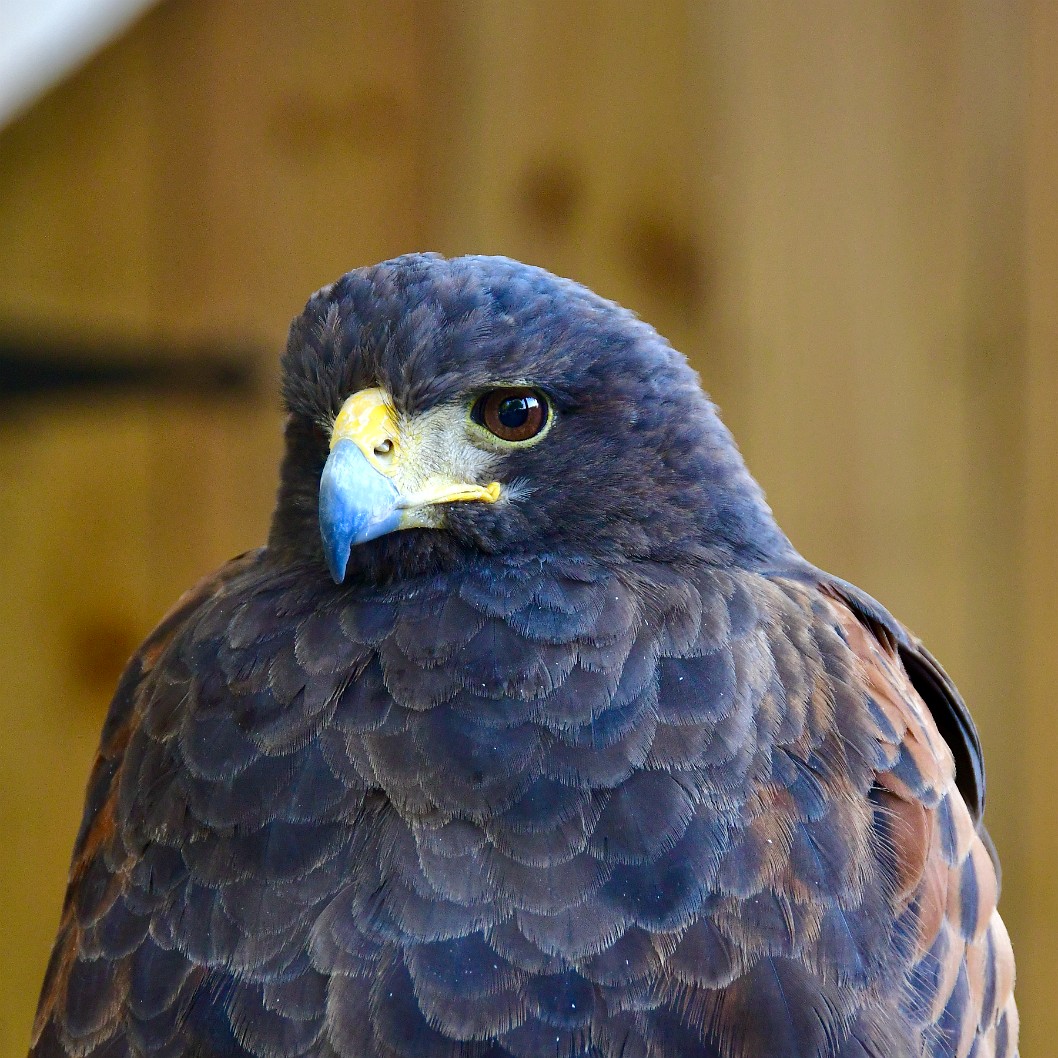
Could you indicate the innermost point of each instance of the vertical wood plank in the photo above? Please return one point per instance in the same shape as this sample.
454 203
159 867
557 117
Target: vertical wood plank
76 599
77 258
1036 718
75 201
842 272
575 149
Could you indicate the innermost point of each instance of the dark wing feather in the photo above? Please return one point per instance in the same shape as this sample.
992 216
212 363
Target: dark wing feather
953 721
959 987
933 685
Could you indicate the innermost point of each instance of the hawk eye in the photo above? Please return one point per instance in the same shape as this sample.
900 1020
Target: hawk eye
513 414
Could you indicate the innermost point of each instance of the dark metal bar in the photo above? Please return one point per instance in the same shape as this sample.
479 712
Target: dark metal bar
38 368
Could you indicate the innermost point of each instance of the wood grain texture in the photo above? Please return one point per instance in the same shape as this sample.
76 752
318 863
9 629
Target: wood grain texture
1035 719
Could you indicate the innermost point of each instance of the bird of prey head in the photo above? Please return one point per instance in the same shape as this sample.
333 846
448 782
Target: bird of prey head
517 411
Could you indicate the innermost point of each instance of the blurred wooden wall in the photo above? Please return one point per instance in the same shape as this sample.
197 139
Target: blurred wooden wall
844 214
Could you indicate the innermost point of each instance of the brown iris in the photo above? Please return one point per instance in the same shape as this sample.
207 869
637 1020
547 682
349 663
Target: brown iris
512 414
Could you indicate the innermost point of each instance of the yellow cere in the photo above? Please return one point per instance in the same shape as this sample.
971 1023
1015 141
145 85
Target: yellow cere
367 420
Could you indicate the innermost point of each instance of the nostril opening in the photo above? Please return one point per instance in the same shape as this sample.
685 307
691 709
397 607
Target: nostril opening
384 448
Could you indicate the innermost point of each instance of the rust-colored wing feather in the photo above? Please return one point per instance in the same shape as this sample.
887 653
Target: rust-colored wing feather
960 988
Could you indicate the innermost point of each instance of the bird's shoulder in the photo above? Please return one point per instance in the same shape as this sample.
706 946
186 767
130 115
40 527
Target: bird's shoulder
932 859
100 863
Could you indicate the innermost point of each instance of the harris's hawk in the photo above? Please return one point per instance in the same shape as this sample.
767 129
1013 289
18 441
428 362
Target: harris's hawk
527 734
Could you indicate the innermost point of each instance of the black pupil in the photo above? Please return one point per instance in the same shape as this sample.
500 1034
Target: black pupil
514 411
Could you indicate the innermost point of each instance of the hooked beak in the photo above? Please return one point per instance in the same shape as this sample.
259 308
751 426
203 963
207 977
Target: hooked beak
372 484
